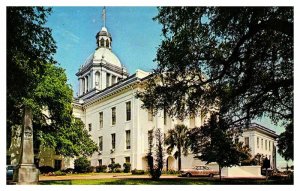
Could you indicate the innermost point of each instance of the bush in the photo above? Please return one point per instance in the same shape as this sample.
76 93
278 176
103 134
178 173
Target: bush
137 172
68 170
46 169
91 169
59 173
118 170
81 164
127 167
113 167
170 172
101 168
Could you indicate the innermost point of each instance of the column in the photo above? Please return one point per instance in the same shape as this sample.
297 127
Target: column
103 79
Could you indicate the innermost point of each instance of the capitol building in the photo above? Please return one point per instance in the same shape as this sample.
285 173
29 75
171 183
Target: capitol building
112 114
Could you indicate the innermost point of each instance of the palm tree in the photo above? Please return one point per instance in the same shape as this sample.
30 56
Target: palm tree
177 138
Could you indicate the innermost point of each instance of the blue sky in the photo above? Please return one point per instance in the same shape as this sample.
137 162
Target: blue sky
135 39
135 36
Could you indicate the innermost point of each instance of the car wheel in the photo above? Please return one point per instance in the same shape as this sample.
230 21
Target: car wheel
211 175
188 175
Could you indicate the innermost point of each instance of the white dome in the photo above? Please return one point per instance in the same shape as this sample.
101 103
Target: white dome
108 56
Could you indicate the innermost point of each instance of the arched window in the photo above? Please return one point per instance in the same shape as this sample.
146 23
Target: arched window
102 42
107 43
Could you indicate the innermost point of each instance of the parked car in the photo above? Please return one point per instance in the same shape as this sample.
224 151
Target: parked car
10 171
199 171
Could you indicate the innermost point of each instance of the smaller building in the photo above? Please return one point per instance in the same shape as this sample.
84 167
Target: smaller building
262 141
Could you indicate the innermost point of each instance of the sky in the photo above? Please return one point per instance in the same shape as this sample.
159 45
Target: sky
135 38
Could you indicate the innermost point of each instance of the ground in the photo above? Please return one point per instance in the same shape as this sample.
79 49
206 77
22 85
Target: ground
128 179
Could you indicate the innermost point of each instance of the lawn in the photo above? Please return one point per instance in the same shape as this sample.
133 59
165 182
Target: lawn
147 181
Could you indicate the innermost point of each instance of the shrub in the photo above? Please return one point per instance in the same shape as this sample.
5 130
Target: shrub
81 164
137 172
118 170
113 167
59 173
68 170
101 168
126 167
170 172
91 169
46 169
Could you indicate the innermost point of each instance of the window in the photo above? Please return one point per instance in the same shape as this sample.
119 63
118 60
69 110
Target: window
113 115
128 111
100 143
100 162
247 141
113 141
113 80
257 142
128 139
127 159
262 144
236 140
266 144
101 120
107 43
90 127
112 160
57 164
269 145
150 114
102 42
107 79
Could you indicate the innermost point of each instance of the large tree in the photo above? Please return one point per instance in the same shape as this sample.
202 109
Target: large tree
34 80
214 143
241 57
177 139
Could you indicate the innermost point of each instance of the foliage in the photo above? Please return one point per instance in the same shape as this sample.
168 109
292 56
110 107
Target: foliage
58 173
101 168
46 169
81 164
170 172
241 57
126 167
68 170
155 163
113 167
91 169
137 172
286 142
177 138
214 143
35 81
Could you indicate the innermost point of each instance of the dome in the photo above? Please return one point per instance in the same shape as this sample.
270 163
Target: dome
107 55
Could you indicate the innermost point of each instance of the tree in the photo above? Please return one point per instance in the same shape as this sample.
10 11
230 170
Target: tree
155 163
241 57
286 143
81 164
214 143
44 87
177 138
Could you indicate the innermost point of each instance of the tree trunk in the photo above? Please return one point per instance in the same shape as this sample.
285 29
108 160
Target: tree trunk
220 171
179 159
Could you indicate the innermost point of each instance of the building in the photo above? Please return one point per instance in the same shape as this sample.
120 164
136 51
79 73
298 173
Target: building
107 105
113 115
262 141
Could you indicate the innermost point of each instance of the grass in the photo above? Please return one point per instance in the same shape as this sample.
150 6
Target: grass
147 181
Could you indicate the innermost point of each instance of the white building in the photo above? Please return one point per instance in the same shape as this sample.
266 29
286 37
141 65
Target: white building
107 105
113 115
